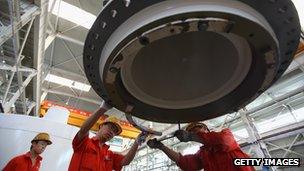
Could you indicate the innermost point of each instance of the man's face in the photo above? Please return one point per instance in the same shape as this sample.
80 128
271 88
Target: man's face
39 146
199 129
106 132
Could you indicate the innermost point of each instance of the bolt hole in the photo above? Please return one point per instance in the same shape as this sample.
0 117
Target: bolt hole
290 19
144 40
282 9
127 2
96 36
114 13
113 70
92 47
103 24
90 57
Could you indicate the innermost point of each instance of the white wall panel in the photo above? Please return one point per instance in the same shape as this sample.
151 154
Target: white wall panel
17 131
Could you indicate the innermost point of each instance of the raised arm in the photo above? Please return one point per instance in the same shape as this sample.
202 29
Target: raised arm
87 125
180 160
131 154
169 152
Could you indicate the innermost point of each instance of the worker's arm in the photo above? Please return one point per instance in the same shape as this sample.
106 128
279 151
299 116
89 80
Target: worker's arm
221 141
169 152
131 154
180 160
87 125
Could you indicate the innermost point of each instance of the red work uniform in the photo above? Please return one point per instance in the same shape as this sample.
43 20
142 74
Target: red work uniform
88 155
24 163
217 154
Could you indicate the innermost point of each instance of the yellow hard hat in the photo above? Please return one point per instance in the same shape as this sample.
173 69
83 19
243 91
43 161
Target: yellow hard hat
42 137
196 124
114 121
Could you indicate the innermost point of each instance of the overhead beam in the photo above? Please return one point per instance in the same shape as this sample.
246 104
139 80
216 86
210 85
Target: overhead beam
67 38
65 72
52 36
14 68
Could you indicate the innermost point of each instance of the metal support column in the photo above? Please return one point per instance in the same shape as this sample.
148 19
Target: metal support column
40 25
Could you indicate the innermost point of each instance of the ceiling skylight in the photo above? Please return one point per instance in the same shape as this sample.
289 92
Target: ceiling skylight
67 82
72 13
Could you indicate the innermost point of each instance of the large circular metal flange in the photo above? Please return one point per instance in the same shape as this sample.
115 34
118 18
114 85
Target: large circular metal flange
267 30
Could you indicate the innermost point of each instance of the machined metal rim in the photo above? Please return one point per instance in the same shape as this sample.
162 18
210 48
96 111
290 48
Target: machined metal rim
272 41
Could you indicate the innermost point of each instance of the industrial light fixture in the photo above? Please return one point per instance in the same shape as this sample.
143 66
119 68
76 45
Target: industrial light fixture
67 82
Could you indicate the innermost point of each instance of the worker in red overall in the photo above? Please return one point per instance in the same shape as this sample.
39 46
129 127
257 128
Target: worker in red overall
30 161
217 153
92 153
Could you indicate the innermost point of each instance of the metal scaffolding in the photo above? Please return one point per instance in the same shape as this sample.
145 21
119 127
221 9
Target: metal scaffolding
17 21
7 31
31 14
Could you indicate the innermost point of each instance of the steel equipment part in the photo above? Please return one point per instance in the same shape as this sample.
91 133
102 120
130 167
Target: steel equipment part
141 127
182 61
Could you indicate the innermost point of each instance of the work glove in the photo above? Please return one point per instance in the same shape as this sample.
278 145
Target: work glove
105 105
153 143
141 138
183 136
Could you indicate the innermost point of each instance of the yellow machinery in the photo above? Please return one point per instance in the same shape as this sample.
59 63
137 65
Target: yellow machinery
77 117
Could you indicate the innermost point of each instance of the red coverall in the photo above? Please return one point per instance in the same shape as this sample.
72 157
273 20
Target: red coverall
89 156
217 154
23 163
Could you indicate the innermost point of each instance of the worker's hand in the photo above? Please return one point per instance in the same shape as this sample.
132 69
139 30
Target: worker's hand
153 143
183 135
105 105
141 138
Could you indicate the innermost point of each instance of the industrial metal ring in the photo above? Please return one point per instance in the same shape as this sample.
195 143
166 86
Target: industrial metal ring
181 61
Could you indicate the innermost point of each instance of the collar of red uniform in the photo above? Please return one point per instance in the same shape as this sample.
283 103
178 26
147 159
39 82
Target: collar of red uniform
96 142
28 154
